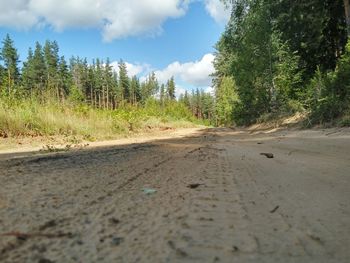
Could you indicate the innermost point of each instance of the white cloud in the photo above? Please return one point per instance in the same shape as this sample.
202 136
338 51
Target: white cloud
16 13
116 18
189 74
179 90
134 69
218 11
194 73
209 90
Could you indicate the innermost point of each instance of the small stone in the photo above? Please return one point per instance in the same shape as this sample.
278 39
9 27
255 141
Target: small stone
116 241
45 260
194 186
268 155
114 221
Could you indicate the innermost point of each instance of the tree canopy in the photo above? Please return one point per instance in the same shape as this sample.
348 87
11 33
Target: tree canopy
272 50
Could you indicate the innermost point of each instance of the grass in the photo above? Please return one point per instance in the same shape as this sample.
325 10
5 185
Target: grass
31 118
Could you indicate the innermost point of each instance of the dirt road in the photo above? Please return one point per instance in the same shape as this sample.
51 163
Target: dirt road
217 199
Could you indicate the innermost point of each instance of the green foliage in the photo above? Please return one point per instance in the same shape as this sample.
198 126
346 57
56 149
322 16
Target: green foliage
170 87
76 95
51 97
226 98
10 58
201 104
330 92
124 82
345 120
38 68
31 117
283 56
287 81
150 87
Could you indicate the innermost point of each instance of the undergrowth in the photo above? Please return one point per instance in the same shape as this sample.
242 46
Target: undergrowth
31 118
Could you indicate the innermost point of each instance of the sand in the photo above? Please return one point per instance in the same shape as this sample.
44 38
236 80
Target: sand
216 199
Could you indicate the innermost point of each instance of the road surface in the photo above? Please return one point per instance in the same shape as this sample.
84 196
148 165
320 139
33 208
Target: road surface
216 199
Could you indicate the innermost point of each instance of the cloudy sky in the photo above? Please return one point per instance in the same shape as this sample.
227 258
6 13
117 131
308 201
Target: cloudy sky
170 37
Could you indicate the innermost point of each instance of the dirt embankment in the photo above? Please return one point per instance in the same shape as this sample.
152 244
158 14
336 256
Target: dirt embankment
207 197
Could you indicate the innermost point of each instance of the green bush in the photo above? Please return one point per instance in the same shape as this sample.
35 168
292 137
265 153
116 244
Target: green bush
329 92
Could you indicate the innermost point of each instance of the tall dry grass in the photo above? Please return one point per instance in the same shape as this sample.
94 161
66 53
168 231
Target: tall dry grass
31 118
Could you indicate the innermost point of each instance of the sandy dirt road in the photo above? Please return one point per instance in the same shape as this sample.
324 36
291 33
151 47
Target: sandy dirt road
88 205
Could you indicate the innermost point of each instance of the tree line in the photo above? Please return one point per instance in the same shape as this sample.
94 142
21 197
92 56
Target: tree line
98 84
47 74
279 57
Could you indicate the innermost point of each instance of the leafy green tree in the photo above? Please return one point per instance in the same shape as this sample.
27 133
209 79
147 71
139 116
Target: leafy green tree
271 49
287 81
226 98
315 29
207 106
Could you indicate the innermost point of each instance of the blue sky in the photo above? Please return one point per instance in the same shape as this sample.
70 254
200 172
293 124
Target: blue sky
171 37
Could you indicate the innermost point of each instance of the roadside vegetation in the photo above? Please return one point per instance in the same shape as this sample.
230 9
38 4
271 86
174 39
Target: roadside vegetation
48 96
277 58
33 118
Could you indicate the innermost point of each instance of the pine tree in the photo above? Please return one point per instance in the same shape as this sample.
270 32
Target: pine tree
124 82
171 89
28 77
98 82
64 78
108 81
10 58
51 56
186 99
39 69
150 87
116 92
2 75
135 93
162 96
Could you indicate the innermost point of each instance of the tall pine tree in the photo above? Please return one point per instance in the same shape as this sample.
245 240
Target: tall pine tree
10 58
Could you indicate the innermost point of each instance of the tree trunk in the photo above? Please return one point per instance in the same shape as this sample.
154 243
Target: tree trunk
9 80
58 92
347 14
107 97
91 97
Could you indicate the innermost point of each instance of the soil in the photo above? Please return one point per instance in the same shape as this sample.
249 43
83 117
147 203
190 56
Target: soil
204 196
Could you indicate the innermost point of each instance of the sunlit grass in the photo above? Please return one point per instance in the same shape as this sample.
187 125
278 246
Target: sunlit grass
31 118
